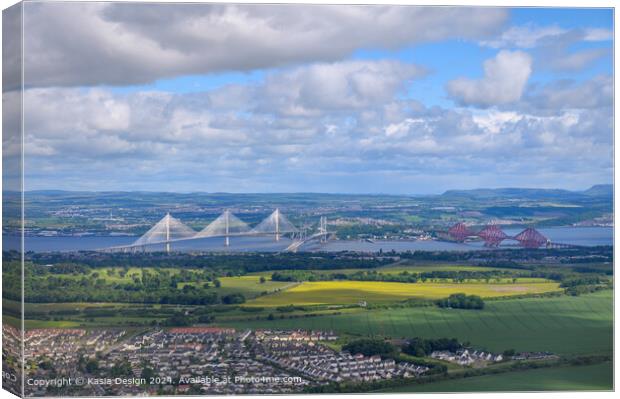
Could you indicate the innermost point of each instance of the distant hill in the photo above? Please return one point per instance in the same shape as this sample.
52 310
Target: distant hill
599 190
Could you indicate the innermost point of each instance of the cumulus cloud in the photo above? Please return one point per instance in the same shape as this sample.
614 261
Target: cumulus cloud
505 77
596 93
71 44
560 60
553 45
557 53
338 86
530 36
526 36
387 142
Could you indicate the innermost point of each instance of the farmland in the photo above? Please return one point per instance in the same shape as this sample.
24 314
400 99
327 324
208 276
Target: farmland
570 378
555 324
249 286
399 267
430 267
534 306
351 292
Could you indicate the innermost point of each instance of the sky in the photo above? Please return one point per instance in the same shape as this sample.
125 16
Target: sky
303 98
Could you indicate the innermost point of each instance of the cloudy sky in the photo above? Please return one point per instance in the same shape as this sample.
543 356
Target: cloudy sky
352 99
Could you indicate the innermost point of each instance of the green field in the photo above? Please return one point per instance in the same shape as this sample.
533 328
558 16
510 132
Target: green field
250 286
16 322
112 274
397 268
433 267
351 292
595 377
563 325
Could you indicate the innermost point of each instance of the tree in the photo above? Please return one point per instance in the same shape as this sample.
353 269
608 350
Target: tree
509 353
178 320
370 347
147 373
233 299
121 369
461 301
92 365
421 347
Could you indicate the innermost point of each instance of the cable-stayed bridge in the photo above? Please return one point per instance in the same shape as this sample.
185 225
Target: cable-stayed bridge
170 230
322 235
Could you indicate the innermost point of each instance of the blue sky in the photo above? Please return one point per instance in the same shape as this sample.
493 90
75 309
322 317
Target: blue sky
316 98
461 57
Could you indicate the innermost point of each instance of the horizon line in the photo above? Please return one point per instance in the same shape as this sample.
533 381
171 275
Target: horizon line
309 192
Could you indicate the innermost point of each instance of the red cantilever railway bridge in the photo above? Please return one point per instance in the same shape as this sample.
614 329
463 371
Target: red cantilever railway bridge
493 236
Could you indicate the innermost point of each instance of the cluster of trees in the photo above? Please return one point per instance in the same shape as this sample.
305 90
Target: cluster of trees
370 347
585 280
234 264
461 301
233 299
422 347
585 289
161 286
181 319
457 276
577 285
495 258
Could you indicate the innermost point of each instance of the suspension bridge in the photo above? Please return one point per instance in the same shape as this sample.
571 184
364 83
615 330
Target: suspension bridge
171 230
493 236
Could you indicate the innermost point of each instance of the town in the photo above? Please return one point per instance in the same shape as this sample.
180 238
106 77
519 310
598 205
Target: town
189 360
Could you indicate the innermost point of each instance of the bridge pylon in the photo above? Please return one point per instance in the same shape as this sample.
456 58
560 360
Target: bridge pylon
277 217
323 229
168 232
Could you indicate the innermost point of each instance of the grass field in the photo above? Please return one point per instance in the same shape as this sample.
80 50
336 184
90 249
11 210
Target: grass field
351 292
115 276
432 267
563 325
249 286
595 377
16 322
399 268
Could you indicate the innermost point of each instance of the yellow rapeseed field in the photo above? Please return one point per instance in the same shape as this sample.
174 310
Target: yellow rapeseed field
351 292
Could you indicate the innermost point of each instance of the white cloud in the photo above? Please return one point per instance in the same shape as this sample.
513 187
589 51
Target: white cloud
526 36
493 121
164 141
530 36
76 43
576 61
553 45
598 35
505 77
337 86
596 93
